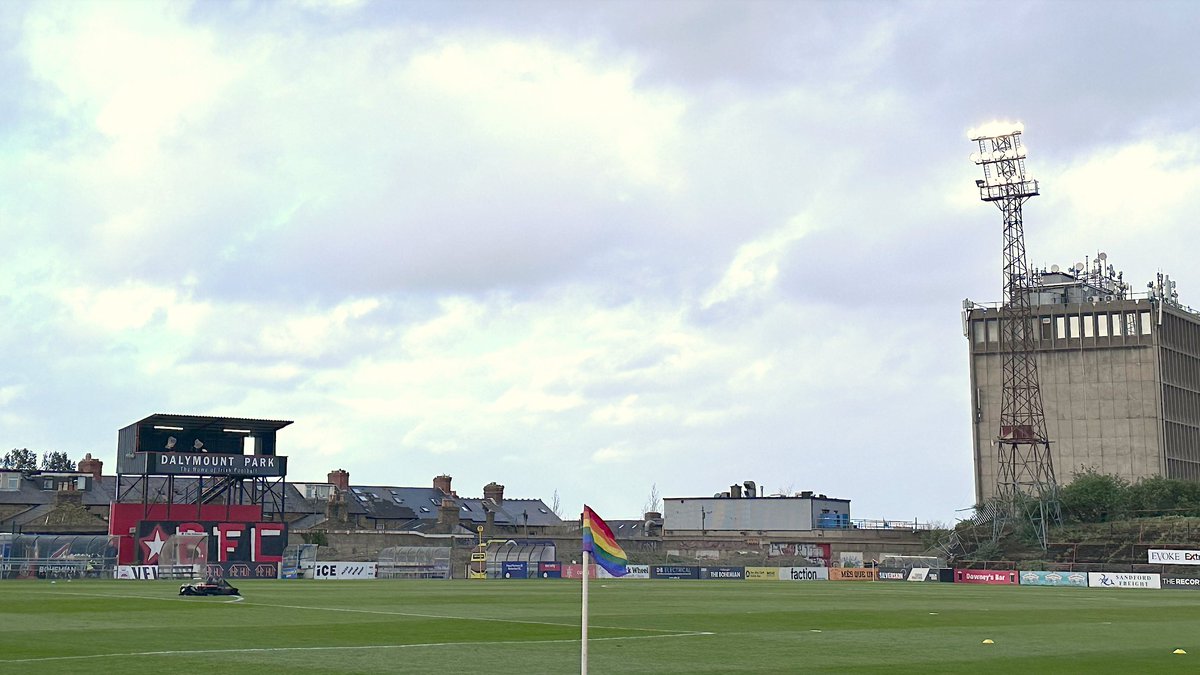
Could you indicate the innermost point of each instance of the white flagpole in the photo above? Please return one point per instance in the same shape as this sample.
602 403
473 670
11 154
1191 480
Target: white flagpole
583 659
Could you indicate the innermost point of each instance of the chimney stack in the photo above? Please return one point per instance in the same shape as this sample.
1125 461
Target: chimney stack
448 514
442 483
494 491
90 465
340 478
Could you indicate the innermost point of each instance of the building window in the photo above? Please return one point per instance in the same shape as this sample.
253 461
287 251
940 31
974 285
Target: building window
977 330
993 330
1116 319
11 482
1102 325
1047 329
1075 327
1131 324
1060 327
1089 325
1145 323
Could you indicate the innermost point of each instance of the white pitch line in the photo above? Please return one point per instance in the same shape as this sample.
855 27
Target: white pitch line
391 613
460 618
252 650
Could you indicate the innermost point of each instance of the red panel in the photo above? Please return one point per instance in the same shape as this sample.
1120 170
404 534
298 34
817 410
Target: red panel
125 517
985 577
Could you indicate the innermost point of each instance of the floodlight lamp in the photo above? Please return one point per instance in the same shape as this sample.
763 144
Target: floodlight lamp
995 130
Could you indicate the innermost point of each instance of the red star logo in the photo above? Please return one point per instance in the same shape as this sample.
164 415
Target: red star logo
152 545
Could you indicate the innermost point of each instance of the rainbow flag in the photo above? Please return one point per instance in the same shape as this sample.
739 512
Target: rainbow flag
600 542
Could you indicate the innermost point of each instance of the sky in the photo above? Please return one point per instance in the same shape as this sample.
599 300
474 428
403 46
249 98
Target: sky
592 250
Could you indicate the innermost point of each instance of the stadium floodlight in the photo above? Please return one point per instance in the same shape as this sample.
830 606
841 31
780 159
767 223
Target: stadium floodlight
1002 156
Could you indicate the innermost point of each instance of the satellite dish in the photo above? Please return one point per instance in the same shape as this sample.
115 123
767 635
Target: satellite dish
1102 255
1055 268
1078 267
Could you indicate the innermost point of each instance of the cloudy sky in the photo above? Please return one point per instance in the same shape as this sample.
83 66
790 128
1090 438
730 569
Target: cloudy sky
580 247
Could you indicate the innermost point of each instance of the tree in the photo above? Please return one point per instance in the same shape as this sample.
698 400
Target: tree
556 504
1094 497
1158 496
23 460
652 500
57 461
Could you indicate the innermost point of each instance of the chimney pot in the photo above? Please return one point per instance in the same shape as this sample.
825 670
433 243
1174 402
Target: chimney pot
340 478
494 491
90 465
442 483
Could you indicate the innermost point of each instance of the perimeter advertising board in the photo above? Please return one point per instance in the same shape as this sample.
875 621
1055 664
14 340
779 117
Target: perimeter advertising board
1173 556
674 572
575 571
762 574
637 572
239 570
1123 580
844 574
549 570
993 577
804 573
892 573
1191 583
140 572
345 570
514 569
1039 578
722 572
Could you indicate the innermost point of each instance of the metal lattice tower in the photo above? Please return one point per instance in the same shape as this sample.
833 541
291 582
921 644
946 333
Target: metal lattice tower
1025 471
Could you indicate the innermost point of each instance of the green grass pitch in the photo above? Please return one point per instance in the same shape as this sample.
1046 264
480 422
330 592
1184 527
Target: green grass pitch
636 627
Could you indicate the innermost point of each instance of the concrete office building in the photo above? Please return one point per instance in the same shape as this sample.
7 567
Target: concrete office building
1119 373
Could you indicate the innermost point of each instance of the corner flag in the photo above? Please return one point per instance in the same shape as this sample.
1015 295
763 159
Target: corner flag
599 541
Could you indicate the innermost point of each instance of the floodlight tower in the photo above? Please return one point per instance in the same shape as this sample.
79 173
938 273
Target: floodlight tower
1025 470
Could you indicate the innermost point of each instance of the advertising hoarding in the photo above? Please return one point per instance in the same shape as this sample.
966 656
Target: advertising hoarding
993 577
674 572
1039 578
1163 556
722 572
762 574
637 572
203 464
345 570
1123 580
804 573
513 569
843 574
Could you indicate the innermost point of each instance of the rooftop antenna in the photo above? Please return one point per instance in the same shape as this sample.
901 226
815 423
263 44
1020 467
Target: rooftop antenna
1025 482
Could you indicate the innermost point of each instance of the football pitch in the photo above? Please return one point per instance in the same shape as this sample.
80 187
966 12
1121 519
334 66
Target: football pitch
636 626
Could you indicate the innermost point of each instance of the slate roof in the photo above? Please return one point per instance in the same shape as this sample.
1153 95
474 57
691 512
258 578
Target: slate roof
414 507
